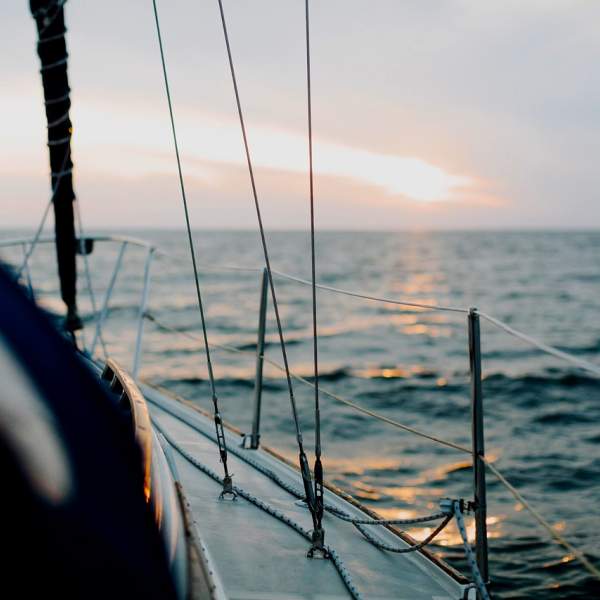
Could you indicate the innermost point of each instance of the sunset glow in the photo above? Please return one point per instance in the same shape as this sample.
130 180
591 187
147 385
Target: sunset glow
122 140
206 138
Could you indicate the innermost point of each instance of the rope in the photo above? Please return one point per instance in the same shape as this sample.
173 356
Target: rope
293 490
460 524
58 121
398 550
58 63
335 558
53 38
217 415
375 298
517 495
49 20
359 523
324 391
58 143
578 362
301 454
578 554
59 98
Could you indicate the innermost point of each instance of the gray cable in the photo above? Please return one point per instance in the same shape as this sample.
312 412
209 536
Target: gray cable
36 237
318 468
460 523
374 298
217 415
261 228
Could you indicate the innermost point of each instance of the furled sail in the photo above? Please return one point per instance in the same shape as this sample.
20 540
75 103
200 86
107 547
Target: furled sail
52 50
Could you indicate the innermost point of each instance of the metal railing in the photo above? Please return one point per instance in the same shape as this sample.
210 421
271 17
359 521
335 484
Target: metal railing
474 316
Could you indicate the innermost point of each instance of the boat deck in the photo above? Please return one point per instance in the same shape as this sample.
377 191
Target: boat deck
256 556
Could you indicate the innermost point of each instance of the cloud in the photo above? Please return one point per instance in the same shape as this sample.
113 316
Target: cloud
490 106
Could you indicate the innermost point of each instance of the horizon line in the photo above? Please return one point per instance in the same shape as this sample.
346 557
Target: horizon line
413 230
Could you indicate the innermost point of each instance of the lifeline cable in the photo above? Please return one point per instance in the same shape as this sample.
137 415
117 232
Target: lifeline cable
227 484
579 555
326 392
304 468
293 490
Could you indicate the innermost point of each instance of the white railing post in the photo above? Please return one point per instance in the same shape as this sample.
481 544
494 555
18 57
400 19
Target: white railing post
107 297
142 314
260 350
477 431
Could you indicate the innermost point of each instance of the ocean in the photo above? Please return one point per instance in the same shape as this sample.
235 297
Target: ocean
542 416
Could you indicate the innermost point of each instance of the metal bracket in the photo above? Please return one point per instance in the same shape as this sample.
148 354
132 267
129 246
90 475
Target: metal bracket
248 442
465 506
228 493
318 549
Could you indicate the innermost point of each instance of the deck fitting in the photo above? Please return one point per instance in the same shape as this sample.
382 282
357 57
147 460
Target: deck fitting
318 549
228 493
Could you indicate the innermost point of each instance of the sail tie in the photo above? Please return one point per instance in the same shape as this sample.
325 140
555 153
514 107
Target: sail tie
227 491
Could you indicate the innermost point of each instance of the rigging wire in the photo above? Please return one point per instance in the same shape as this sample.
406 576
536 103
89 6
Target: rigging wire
88 274
35 239
574 360
556 536
58 177
344 292
304 468
318 468
227 482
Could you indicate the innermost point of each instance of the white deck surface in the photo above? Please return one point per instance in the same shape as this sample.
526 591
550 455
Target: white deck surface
260 558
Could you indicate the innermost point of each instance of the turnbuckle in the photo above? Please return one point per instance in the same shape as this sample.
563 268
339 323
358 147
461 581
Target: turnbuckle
465 506
227 493
318 549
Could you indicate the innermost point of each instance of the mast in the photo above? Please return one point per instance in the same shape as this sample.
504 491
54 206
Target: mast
52 50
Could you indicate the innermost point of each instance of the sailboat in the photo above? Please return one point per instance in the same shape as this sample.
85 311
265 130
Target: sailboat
122 488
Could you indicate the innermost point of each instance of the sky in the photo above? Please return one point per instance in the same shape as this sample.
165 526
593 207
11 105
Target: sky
427 114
